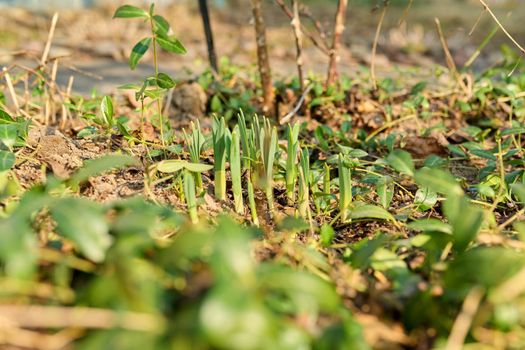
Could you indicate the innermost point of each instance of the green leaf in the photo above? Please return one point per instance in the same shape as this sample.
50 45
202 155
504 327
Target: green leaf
128 11
425 199
172 166
430 225
7 160
106 108
385 191
5 117
161 25
438 180
164 81
138 51
171 44
401 161
466 220
485 266
83 223
8 134
100 165
327 235
367 211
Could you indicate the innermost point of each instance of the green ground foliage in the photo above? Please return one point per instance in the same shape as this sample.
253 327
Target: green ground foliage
329 232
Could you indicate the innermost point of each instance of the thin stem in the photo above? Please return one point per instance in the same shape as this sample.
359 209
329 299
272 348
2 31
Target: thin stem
156 65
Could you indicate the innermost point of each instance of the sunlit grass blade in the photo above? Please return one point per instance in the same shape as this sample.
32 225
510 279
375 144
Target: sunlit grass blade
291 159
194 143
189 194
304 184
251 200
345 189
235 170
221 139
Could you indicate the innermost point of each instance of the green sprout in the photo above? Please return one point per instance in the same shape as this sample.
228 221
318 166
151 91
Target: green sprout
195 143
160 35
304 189
291 159
221 139
189 194
235 169
249 156
345 189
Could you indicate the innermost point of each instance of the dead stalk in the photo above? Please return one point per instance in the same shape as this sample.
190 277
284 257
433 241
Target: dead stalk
36 316
502 27
11 89
262 56
463 322
45 54
320 44
296 25
374 47
339 27
448 57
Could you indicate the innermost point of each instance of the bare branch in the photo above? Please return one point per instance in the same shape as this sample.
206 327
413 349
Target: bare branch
339 27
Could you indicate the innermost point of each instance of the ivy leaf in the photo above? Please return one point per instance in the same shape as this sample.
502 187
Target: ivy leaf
128 11
171 45
138 51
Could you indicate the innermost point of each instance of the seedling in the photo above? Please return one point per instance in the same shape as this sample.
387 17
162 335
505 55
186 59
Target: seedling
194 143
189 194
160 35
345 189
291 161
304 185
235 169
221 141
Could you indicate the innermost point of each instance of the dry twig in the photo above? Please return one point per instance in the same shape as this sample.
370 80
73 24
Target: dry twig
339 27
262 56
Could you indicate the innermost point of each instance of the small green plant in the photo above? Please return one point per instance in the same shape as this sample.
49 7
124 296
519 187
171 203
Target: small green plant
345 189
189 195
291 161
235 170
160 35
249 156
195 143
221 143
265 137
304 184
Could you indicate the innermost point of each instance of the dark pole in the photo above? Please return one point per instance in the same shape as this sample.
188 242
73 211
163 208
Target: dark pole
212 56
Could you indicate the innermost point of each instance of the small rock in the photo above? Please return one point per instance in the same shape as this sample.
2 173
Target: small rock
189 100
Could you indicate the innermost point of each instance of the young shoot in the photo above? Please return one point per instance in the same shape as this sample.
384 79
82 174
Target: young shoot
291 160
304 188
159 36
189 194
235 170
194 143
345 189
249 156
221 139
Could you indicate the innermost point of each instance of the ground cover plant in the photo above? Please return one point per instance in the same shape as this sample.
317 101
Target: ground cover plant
328 212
